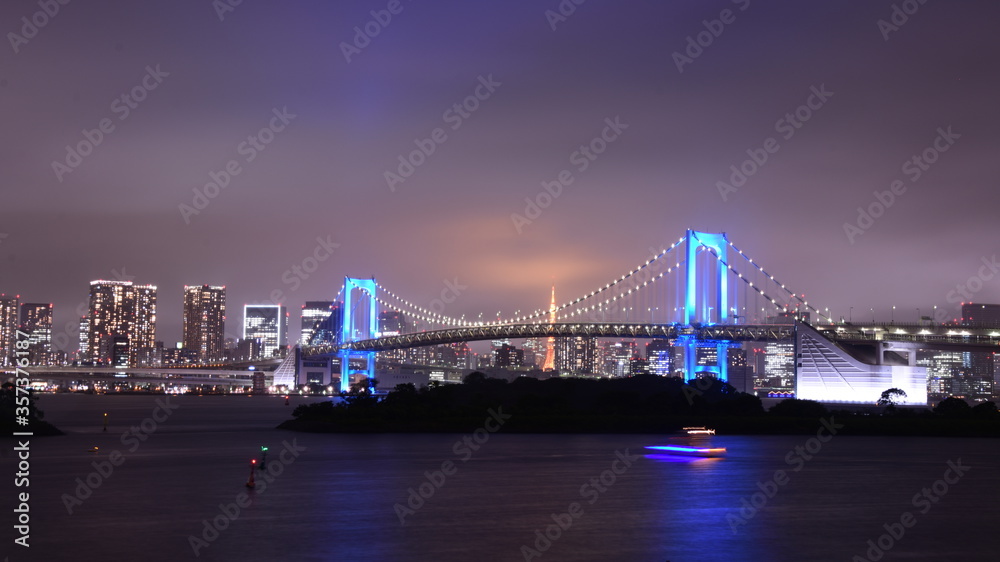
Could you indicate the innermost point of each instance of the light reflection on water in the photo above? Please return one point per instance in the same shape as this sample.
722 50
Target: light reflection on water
336 500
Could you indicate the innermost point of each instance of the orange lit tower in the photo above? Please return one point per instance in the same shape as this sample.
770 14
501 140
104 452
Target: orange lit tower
550 351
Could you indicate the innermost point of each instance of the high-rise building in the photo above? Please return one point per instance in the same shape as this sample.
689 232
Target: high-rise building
978 313
119 309
205 321
36 322
392 323
576 354
779 367
269 324
8 328
84 337
321 320
508 356
534 352
739 370
617 358
660 357
941 368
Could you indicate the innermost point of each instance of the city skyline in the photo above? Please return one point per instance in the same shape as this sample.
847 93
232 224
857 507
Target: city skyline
339 121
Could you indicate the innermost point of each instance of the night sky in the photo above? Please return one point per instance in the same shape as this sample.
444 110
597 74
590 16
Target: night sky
214 83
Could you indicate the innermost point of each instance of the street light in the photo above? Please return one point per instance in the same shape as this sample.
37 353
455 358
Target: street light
850 315
892 315
873 315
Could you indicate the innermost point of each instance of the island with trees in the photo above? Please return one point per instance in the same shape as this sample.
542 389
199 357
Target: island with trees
639 404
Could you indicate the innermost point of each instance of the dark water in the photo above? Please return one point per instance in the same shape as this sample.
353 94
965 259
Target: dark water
335 500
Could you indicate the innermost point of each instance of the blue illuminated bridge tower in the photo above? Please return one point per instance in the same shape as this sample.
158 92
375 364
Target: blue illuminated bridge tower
360 321
704 295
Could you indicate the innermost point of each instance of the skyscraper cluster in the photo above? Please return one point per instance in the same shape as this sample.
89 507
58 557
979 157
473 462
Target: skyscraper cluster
121 322
34 322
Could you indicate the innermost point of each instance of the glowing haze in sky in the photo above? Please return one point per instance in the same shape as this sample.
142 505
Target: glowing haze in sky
304 110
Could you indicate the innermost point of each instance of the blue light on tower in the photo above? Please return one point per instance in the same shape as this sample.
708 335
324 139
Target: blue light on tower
701 312
350 333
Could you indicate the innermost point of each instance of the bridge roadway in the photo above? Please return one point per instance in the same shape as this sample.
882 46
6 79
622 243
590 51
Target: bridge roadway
935 337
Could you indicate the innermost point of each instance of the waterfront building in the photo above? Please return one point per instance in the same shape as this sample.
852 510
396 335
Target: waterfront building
205 321
36 322
321 322
8 328
269 324
121 319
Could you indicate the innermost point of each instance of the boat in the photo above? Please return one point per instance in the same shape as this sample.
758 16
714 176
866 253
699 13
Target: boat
706 452
699 431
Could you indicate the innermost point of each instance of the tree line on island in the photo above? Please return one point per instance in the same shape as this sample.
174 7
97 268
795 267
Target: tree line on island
638 404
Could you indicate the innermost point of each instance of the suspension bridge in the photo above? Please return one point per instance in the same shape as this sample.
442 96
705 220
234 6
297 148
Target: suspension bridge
699 292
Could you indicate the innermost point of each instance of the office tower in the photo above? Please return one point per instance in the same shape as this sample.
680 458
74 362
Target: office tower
977 313
507 356
779 366
463 355
393 323
576 354
8 328
638 366
660 357
617 358
121 317
739 370
941 369
269 324
205 321
36 322
84 337
534 352
314 315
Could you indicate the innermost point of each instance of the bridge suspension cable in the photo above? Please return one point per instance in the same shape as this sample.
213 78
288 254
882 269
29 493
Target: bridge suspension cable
767 276
539 313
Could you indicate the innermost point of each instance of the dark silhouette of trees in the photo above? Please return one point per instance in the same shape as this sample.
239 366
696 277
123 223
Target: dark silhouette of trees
953 408
796 408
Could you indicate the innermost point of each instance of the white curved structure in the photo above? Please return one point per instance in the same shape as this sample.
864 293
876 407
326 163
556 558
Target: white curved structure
827 373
